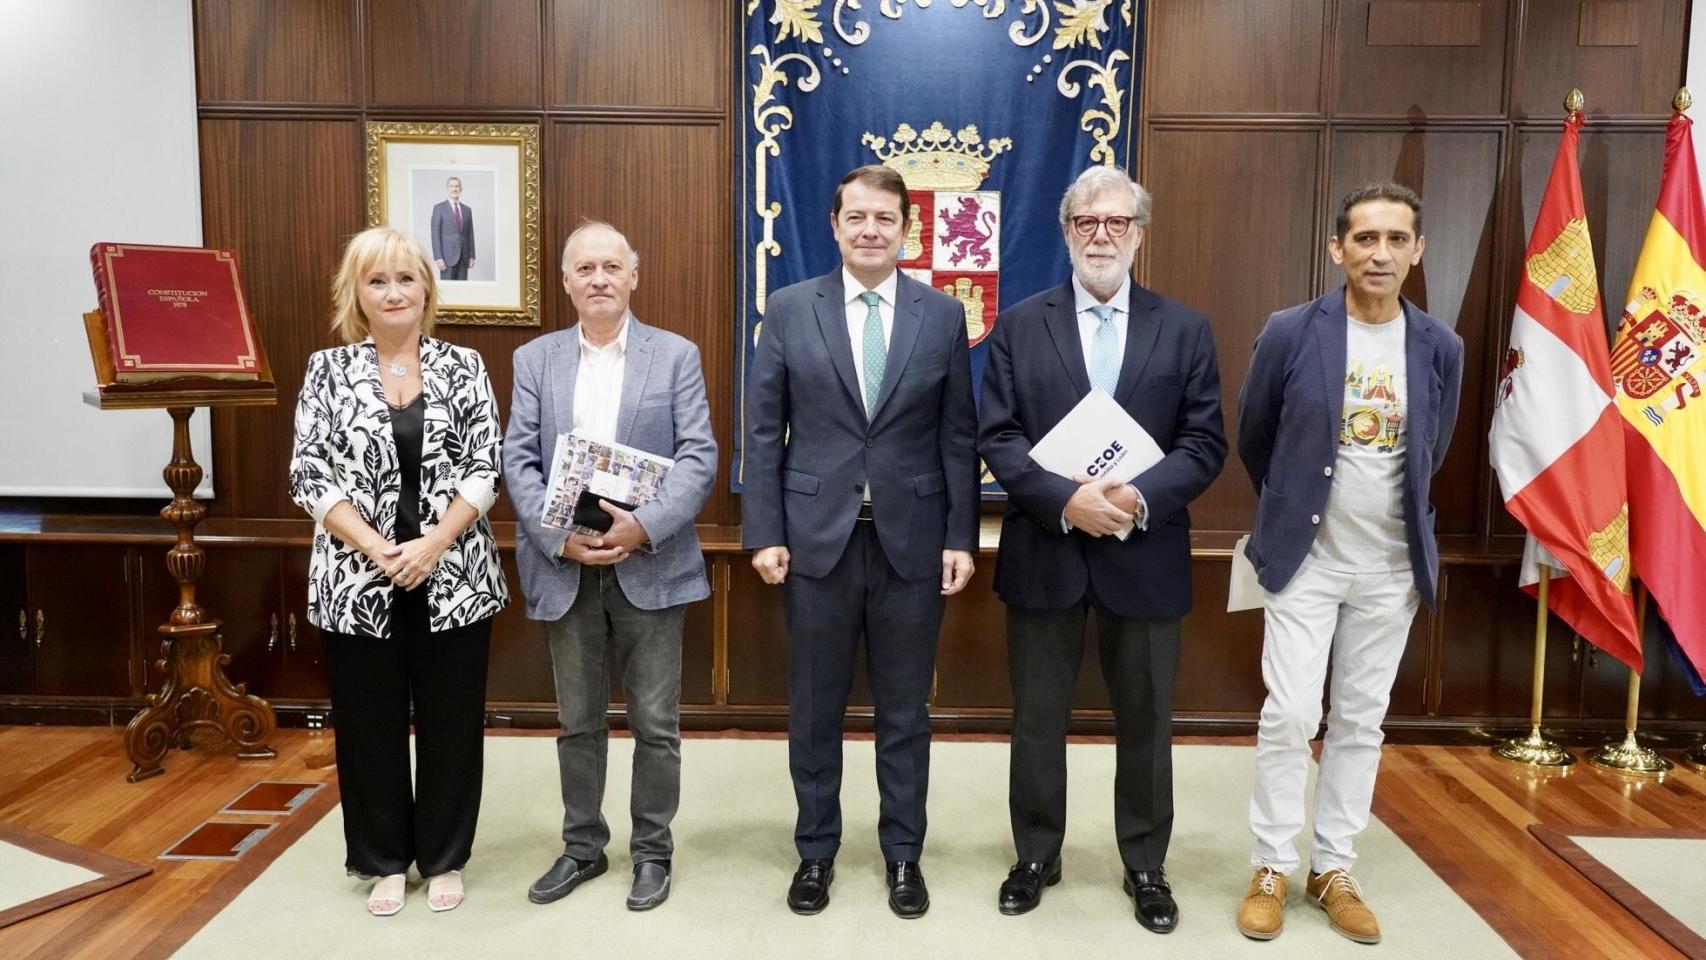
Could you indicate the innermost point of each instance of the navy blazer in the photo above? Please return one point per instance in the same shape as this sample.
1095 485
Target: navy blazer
1292 401
1169 383
809 444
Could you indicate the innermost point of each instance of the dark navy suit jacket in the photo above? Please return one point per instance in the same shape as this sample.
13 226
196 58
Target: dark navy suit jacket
1288 431
1169 383
809 445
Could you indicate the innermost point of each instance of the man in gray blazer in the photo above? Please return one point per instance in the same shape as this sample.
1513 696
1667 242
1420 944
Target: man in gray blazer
862 494
614 379
452 233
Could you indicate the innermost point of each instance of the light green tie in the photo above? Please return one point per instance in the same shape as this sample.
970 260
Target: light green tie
876 351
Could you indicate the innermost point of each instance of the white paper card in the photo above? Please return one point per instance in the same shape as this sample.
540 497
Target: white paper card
1098 439
1243 592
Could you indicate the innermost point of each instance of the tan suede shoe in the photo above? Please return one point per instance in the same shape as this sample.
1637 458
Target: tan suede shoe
1261 915
1340 895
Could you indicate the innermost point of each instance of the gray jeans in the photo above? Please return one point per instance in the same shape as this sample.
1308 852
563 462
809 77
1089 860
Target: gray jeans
647 647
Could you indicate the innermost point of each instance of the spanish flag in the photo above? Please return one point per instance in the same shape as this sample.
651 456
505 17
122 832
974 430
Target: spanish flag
1556 440
1658 360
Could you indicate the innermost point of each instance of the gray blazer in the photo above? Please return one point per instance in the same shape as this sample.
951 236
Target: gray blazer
664 412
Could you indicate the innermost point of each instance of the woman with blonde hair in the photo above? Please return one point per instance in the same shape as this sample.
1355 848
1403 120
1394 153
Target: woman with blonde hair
397 457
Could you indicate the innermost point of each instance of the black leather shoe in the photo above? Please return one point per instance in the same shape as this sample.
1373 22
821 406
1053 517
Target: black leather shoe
908 896
1153 898
564 876
1023 888
809 893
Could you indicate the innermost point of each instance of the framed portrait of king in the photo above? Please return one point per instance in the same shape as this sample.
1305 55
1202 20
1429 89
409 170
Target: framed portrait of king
469 194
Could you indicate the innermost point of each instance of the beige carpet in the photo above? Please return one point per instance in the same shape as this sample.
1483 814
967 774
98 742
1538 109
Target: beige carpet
39 873
1655 874
734 856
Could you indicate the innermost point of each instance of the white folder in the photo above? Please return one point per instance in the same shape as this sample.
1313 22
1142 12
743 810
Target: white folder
1098 439
1243 592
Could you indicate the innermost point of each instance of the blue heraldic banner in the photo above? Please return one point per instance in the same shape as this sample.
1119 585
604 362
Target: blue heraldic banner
988 108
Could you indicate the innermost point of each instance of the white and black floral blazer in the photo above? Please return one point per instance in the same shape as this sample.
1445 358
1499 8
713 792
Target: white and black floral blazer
344 450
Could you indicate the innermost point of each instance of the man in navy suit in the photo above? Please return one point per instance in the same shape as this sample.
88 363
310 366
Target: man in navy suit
1062 554
861 499
1344 419
452 234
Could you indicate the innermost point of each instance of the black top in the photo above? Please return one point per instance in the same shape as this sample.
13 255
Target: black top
407 426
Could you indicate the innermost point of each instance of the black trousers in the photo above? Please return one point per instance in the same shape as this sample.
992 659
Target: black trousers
900 620
390 823
455 271
1139 661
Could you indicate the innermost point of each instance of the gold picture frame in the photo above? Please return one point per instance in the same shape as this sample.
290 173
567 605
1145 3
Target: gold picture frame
491 208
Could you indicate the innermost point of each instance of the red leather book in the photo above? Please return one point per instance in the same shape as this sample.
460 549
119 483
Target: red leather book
174 312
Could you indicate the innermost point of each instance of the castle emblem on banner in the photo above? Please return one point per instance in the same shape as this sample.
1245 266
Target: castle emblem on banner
1662 355
954 238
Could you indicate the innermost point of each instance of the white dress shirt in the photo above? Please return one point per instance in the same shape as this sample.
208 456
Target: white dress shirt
598 386
1083 300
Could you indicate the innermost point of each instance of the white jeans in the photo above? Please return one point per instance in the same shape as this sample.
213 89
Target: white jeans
1361 621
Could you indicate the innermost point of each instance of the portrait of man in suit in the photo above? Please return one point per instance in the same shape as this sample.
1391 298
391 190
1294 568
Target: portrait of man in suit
1343 420
1065 550
861 501
452 233
612 379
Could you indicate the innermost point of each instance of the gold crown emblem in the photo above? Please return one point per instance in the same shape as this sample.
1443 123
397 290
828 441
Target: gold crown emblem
937 159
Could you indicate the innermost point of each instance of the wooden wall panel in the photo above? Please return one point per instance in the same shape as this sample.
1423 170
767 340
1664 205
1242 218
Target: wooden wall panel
1232 56
636 177
1405 58
1457 175
1487 650
453 53
1238 261
284 194
1619 81
302 52
639 53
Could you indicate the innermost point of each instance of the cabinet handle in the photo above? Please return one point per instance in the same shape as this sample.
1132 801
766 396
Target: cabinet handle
41 626
23 624
1575 649
272 636
1593 657
292 634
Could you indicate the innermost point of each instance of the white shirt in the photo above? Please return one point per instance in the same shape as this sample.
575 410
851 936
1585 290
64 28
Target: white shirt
1362 530
598 386
1083 300
856 312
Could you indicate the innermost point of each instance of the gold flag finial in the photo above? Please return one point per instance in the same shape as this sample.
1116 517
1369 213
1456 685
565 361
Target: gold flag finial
1574 101
1683 99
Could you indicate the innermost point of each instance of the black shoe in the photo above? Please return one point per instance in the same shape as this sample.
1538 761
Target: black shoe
809 893
1153 898
651 884
564 876
1023 888
908 896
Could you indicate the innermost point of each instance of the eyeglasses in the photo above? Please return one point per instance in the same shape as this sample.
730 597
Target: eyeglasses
1085 226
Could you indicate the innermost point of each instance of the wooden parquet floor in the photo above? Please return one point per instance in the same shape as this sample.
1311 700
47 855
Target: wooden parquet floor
1465 812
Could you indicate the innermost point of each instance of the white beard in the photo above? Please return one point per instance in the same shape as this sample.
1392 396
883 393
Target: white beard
1104 276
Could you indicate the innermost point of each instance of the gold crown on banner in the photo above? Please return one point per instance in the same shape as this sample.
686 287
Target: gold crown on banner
937 159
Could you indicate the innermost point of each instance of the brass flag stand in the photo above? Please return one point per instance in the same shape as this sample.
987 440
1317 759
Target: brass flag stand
1536 749
1627 756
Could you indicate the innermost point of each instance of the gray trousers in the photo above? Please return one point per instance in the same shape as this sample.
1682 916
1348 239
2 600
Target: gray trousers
647 649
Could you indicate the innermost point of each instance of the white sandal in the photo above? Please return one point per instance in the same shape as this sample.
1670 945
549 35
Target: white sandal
444 892
386 897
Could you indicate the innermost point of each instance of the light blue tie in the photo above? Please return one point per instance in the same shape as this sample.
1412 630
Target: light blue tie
876 351
1104 350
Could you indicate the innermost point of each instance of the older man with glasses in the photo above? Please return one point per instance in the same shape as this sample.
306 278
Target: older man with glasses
1070 545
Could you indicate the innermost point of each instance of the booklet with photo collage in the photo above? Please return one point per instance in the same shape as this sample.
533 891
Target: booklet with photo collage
584 471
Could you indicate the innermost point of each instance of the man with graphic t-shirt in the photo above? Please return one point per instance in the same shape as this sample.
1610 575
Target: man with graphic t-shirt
1343 420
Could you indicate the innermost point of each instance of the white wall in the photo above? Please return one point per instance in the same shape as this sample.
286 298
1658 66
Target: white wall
97 143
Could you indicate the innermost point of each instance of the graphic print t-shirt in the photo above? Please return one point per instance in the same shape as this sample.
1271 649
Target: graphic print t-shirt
1362 530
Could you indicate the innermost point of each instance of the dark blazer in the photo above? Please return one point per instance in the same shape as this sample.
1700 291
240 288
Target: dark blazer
809 443
1169 383
448 243
1291 403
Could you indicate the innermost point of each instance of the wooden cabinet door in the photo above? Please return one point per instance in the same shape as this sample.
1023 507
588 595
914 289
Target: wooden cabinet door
17 625
239 588
304 674
80 608
519 667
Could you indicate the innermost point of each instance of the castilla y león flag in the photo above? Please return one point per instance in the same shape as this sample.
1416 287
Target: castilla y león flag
1556 440
1659 360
